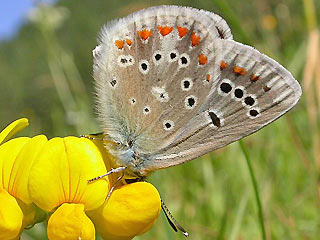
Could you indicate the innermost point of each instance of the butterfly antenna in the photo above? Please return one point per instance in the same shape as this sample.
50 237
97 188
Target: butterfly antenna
172 221
95 136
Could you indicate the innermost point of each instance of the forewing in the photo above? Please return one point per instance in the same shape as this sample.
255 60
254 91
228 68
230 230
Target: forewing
140 67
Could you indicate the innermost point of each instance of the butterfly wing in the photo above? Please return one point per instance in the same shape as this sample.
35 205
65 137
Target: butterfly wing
172 86
139 63
249 91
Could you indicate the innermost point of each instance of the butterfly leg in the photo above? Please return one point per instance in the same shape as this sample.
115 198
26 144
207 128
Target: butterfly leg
113 170
114 185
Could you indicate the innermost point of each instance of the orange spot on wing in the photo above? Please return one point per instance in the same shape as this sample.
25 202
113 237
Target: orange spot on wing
223 65
145 34
208 77
182 31
129 42
195 40
254 78
203 59
119 43
165 30
239 71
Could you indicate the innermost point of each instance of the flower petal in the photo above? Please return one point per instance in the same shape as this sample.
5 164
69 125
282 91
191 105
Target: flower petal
18 185
8 154
61 171
70 222
131 210
11 216
12 129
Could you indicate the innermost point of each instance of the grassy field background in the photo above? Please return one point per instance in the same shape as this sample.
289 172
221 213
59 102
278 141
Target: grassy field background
46 76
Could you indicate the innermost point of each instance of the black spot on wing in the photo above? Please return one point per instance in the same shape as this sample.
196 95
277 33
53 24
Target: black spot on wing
215 119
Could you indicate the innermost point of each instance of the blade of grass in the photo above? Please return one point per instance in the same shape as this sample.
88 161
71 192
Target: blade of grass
222 230
310 14
239 216
233 20
255 187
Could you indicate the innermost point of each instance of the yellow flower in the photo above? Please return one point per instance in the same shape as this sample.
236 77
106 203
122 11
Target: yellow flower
11 216
53 176
69 221
60 174
58 183
16 157
131 210
12 129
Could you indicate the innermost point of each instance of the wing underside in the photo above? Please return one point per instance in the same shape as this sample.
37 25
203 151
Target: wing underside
172 85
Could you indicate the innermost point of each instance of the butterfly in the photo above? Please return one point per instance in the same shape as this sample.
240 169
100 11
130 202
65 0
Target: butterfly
171 85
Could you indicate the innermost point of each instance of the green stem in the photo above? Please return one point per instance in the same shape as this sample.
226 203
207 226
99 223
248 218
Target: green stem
255 187
310 13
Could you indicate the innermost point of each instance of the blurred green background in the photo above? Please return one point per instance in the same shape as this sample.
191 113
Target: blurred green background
46 76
